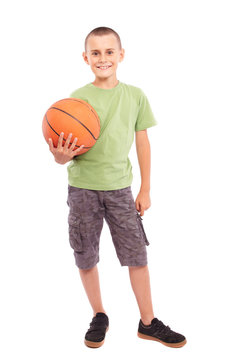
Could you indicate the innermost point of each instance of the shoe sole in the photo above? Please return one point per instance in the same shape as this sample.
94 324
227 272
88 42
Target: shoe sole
94 344
172 345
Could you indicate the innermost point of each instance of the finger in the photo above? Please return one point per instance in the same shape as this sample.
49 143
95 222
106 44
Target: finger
67 141
137 205
50 143
60 140
73 144
140 209
77 151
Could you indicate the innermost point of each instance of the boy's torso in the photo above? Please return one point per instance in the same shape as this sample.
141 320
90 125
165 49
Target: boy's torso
106 165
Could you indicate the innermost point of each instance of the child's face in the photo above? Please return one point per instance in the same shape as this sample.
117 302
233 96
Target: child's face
103 55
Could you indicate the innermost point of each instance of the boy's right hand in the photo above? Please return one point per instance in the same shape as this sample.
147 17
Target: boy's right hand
63 153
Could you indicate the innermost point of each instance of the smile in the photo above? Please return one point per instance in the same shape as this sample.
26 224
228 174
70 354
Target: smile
104 67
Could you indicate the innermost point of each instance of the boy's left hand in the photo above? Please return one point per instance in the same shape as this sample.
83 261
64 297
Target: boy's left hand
143 201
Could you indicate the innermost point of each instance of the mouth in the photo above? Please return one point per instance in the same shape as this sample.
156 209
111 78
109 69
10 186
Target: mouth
104 67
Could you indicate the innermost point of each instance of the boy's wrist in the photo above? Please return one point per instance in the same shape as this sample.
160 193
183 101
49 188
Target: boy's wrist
145 189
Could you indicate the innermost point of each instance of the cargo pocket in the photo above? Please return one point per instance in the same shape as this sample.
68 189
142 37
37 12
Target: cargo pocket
140 224
75 238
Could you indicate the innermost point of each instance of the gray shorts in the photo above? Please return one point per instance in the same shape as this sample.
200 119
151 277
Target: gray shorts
88 208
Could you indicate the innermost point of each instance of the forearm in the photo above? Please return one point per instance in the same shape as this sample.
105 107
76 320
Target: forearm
144 160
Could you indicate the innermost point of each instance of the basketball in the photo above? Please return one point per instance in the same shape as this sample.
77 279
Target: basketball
73 116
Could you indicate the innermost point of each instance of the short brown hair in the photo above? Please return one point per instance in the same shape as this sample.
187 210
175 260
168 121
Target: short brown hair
100 31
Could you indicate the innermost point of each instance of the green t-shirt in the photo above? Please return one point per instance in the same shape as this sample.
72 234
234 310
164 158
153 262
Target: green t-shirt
122 110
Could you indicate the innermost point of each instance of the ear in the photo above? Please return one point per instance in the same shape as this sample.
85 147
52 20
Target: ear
85 58
122 54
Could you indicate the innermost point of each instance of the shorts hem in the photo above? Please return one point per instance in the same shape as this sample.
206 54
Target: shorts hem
123 263
87 267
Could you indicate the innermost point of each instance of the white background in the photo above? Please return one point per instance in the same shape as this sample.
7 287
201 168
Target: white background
185 56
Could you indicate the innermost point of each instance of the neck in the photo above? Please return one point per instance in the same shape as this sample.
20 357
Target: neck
106 83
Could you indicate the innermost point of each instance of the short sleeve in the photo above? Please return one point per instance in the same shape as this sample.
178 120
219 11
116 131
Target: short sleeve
145 118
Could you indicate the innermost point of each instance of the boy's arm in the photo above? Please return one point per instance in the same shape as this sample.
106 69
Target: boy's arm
144 159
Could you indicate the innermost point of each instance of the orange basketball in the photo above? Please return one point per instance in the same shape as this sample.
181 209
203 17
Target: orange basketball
74 116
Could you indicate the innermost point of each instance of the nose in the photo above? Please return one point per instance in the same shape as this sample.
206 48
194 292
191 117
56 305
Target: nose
102 57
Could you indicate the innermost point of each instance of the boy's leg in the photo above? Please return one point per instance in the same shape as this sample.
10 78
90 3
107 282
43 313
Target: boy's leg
85 225
140 281
95 335
130 242
90 281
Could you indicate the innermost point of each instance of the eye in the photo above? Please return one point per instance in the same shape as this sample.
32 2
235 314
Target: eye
110 51
94 53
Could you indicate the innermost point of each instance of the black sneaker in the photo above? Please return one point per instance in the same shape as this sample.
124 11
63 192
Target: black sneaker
159 332
95 335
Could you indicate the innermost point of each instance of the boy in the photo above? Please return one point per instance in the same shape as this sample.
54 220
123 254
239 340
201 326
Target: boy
100 187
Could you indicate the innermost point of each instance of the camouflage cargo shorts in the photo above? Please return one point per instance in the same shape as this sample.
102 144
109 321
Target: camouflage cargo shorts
88 208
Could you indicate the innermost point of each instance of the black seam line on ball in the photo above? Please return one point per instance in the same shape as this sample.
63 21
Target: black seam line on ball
84 103
85 147
53 107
